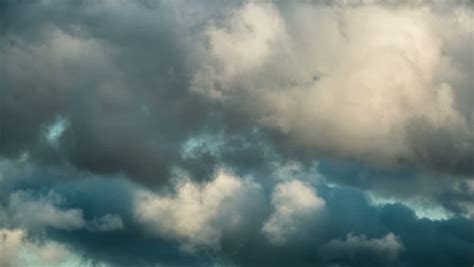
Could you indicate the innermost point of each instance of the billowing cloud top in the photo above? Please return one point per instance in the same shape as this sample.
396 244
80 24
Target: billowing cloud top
236 133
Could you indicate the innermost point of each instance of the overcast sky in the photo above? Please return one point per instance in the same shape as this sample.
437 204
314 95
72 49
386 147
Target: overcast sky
236 133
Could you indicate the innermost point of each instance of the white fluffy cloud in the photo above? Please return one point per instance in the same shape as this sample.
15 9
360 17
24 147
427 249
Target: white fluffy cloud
348 81
197 213
16 250
294 203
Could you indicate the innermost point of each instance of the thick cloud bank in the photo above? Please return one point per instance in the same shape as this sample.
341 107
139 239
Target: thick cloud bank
361 83
236 133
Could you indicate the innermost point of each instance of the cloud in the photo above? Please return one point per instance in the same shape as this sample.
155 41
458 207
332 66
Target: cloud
44 212
240 48
360 83
294 204
241 133
10 241
114 111
39 212
125 111
18 250
235 209
108 222
354 246
193 214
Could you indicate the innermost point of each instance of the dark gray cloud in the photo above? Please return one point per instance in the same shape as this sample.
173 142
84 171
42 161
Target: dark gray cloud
91 64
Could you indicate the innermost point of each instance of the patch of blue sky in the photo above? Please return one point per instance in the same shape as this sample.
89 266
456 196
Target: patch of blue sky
209 142
55 130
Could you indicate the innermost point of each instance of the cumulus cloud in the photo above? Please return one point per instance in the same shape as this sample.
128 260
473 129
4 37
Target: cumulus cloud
102 100
38 212
354 246
44 211
10 240
239 48
294 203
193 214
235 209
355 84
17 250
103 105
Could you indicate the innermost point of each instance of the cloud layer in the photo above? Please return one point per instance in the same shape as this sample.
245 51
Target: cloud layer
236 133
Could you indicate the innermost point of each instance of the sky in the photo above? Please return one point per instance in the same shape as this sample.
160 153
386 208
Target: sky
236 133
